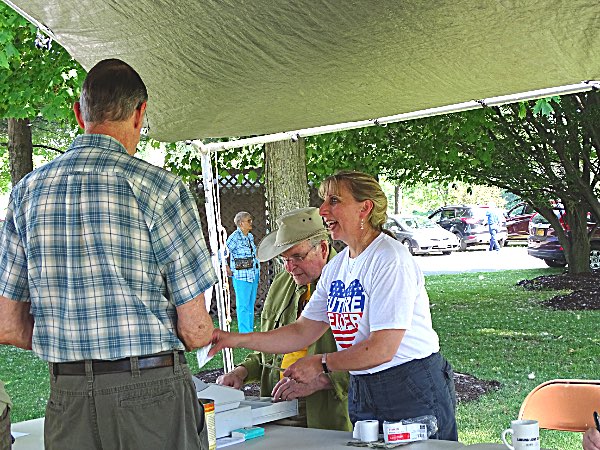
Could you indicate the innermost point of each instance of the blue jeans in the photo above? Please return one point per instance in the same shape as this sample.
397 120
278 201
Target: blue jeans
245 297
493 242
416 388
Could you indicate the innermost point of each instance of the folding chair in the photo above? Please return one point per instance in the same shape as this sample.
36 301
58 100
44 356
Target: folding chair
566 405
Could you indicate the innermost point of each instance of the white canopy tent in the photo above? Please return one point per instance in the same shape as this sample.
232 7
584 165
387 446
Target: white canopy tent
264 67
254 67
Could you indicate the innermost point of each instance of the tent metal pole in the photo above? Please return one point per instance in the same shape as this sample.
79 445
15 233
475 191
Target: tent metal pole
31 19
457 107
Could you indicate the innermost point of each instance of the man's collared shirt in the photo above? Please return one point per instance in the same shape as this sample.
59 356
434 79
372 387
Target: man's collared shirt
104 246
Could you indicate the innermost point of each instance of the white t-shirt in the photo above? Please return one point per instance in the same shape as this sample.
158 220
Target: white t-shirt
381 289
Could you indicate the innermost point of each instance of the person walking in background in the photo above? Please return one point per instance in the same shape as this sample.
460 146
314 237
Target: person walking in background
302 244
6 439
107 252
493 225
372 295
244 269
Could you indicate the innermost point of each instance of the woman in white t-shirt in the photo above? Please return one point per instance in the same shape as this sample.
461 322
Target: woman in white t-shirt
372 295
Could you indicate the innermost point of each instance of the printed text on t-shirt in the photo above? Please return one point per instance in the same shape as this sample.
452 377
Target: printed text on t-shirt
345 307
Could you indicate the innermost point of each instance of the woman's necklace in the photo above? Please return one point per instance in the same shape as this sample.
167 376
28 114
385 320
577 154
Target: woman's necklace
351 262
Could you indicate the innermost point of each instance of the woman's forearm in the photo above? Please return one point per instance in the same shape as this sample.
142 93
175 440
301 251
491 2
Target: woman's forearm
379 348
289 338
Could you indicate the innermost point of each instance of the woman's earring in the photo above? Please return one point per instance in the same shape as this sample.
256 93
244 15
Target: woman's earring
362 224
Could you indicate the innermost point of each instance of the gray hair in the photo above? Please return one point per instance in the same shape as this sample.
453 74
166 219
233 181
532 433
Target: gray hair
239 217
316 240
112 91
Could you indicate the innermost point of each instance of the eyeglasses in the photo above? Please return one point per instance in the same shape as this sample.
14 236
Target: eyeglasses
145 130
296 259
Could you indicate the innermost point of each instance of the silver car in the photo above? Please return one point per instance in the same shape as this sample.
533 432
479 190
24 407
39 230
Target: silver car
421 236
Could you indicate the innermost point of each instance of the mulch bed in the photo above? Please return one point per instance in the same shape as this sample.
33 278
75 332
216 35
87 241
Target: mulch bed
585 289
468 388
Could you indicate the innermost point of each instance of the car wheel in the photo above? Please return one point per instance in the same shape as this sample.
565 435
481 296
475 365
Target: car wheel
554 263
595 257
462 245
406 243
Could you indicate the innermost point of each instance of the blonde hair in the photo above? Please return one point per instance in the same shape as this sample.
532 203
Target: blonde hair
362 186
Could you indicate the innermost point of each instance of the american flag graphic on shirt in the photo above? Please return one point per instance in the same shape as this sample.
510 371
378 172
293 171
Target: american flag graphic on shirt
345 307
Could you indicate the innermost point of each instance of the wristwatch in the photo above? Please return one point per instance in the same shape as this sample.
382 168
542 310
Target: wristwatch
324 363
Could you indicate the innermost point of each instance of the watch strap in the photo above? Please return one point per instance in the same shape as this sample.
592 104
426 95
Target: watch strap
324 363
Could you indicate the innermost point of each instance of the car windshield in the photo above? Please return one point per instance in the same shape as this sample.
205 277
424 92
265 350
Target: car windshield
416 222
538 218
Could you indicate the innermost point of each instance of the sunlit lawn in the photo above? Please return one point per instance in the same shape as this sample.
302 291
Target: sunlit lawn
488 327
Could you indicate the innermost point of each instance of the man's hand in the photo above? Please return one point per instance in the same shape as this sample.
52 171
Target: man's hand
194 325
289 389
223 339
305 369
235 378
591 439
16 324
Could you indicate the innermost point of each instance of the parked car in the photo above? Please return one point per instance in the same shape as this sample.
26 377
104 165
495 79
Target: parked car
469 224
421 236
543 242
517 222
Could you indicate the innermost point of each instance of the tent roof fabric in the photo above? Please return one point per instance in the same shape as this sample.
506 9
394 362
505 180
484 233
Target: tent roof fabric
249 67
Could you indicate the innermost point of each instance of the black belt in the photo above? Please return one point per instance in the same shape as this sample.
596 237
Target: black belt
100 367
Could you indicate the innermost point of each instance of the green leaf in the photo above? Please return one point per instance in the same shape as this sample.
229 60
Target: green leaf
4 60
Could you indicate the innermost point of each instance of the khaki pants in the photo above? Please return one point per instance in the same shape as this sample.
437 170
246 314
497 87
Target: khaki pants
141 409
5 437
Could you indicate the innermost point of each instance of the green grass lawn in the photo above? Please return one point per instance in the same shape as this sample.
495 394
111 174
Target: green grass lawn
488 328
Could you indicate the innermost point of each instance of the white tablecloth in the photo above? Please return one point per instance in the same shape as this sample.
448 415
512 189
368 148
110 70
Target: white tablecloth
276 438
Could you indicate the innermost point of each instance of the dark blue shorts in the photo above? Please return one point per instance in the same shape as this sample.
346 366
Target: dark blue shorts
416 388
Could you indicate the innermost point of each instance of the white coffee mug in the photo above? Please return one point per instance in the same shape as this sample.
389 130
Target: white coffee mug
366 430
525 435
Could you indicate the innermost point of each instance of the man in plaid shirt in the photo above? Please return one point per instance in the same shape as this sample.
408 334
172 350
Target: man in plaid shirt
103 267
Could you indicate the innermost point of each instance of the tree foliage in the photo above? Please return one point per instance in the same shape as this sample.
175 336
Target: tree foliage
35 80
39 82
542 151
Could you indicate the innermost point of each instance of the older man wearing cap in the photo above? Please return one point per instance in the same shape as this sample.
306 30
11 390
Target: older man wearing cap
301 242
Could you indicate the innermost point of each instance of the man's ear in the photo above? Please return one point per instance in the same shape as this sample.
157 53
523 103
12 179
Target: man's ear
139 115
78 115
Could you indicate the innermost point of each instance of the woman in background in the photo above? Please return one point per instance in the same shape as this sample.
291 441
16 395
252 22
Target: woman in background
245 270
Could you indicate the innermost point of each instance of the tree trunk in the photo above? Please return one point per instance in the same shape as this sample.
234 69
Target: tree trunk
286 181
396 198
20 149
285 178
577 250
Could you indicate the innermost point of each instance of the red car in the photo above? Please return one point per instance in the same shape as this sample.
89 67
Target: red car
543 242
517 222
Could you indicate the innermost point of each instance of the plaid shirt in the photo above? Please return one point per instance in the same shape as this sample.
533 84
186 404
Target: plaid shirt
241 246
104 246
